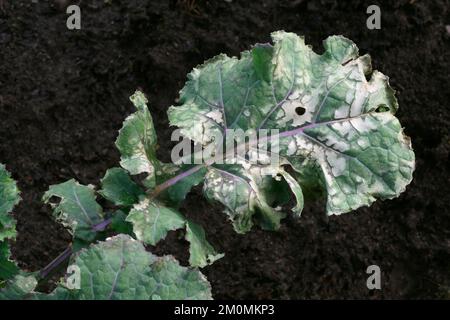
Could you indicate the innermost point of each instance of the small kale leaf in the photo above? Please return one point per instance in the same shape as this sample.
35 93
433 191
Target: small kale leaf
120 268
119 188
9 197
77 208
201 252
7 267
137 140
152 221
137 143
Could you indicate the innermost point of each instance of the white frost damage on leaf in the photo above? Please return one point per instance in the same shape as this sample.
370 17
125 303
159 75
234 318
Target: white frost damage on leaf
327 113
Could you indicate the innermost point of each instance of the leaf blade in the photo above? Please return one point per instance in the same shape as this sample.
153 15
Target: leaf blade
118 188
303 94
121 269
137 140
9 197
77 208
201 252
152 221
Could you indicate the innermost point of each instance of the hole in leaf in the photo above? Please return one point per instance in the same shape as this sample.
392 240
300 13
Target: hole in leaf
382 108
300 111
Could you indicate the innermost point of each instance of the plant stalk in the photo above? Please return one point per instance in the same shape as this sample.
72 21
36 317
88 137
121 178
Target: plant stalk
55 263
167 184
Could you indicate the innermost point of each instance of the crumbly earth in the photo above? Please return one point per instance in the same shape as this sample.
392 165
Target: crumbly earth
64 95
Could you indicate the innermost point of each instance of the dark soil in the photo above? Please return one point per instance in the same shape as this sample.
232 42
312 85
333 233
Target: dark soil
64 95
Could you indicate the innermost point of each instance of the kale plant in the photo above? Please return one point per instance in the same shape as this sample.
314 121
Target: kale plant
336 136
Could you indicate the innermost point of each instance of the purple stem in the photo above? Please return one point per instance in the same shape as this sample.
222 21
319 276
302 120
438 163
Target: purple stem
68 252
174 180
55 263
102 225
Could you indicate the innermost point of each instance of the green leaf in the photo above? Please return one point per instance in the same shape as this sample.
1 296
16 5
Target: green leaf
201 252
9 197
137 140
297 190
179 283
119 188
77 208
137 143
21 287
7 268
120 269
119 223
336 128
243 195
152 221
176 193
